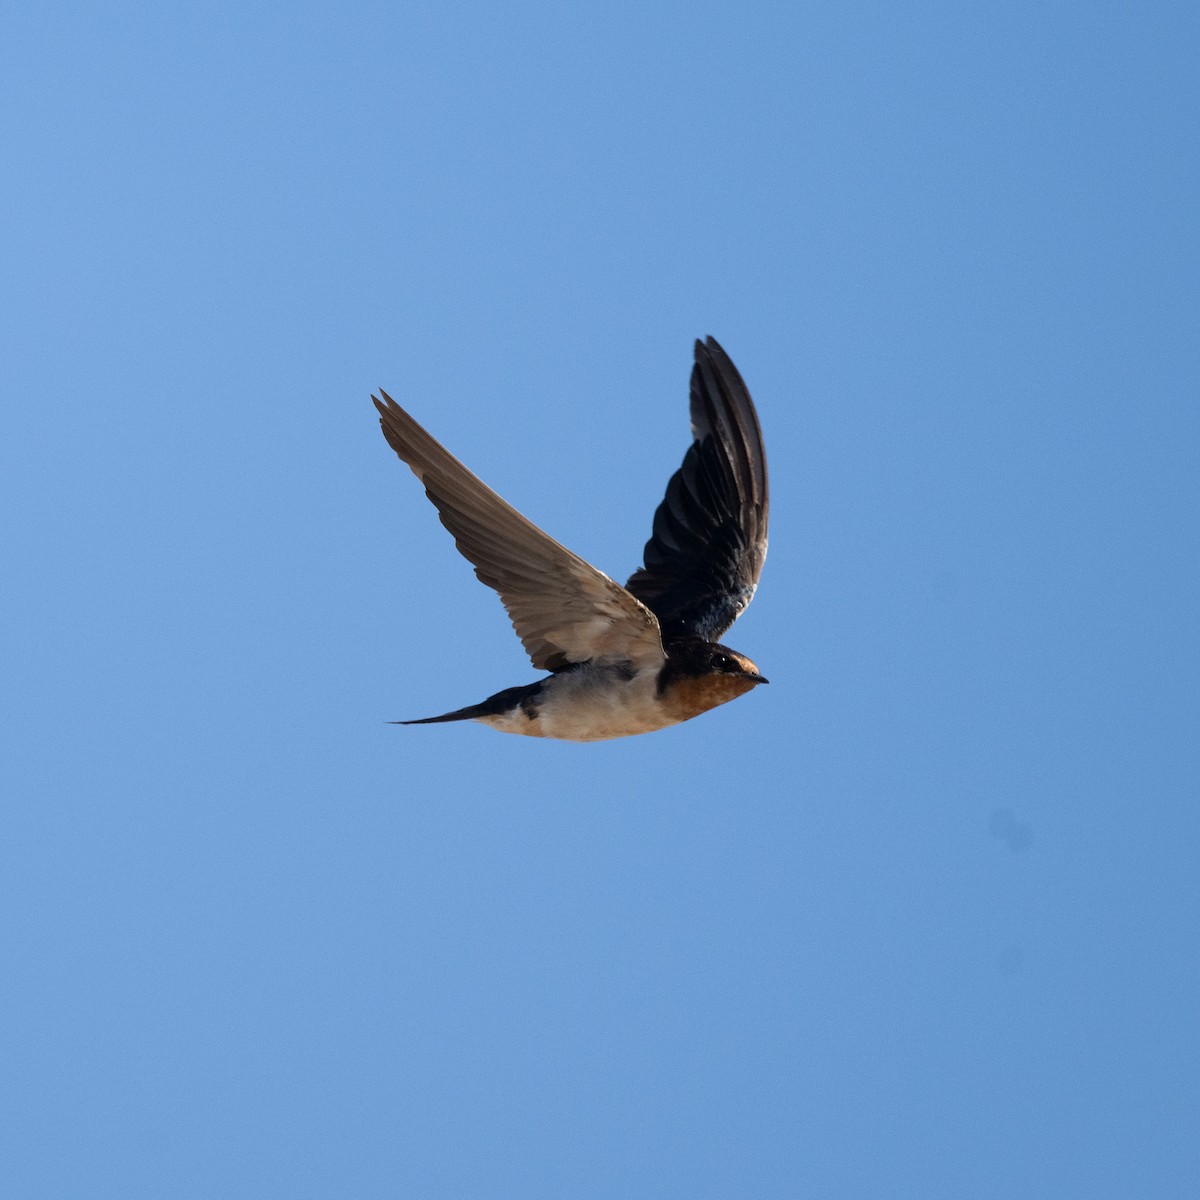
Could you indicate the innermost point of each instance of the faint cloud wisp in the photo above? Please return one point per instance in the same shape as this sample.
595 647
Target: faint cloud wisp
1016 835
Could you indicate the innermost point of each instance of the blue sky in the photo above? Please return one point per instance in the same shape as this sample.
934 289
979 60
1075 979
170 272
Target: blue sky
918 920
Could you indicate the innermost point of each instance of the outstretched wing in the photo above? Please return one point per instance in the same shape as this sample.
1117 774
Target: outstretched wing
563 609
710 532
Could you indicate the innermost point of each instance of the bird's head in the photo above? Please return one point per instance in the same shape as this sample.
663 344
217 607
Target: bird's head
723 661
699 675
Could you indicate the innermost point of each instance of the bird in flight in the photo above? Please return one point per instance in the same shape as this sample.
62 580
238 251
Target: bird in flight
622 660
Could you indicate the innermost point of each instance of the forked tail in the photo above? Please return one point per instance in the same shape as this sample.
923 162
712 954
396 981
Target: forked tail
501 702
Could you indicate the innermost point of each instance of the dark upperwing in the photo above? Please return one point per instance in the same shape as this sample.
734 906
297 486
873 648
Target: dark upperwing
706 553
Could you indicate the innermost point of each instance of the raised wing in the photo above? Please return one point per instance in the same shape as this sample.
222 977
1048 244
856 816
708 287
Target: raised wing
710 532
563 609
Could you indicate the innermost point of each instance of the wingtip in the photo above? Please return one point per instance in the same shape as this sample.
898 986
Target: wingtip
383 402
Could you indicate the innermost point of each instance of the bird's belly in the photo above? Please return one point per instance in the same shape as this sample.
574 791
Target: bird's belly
588 706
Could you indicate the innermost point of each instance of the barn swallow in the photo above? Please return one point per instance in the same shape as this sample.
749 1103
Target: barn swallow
622 660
